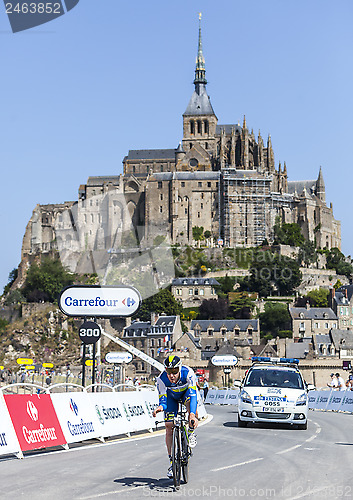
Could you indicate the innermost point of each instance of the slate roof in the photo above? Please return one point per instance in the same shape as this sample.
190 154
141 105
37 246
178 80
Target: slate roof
228 128
312 313
342 291
300 185
194 281
229 323
199 103
342 339
298 349
150 154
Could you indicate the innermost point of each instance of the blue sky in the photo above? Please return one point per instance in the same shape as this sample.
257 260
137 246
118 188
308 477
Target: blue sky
109 76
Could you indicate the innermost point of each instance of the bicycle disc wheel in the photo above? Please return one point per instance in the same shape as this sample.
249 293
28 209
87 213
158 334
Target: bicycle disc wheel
176 457
184 456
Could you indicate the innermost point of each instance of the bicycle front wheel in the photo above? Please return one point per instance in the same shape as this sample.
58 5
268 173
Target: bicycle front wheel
176 457
185 452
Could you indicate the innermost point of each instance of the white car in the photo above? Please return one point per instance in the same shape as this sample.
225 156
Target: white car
273 390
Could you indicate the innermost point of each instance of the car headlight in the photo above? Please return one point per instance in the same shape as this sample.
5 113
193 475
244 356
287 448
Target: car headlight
301 401
245 397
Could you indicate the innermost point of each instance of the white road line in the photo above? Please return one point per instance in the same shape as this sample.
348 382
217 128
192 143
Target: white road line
311 438
236 465
115 492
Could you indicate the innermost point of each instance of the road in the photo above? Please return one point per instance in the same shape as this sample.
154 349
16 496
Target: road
266 462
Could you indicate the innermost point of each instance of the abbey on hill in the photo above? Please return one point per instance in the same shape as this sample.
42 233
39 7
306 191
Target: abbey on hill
220 177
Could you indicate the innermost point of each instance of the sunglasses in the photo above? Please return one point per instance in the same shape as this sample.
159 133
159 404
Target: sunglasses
172 371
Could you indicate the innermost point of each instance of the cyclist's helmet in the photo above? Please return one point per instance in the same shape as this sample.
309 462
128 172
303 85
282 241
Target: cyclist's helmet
172 361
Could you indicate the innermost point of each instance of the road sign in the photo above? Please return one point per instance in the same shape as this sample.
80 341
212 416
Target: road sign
31 367
89 332
118 357
24 361
225 360
99 301
227 370
89 362
48 365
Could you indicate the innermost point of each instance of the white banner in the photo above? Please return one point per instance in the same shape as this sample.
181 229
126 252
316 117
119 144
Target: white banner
8 440
222 396
335 400
347 401
76 415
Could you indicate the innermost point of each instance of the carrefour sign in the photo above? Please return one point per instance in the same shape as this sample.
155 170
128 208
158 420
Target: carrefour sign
225 360
99 301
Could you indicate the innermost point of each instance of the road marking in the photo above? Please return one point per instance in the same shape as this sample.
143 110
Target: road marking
115 492
237 465
311 438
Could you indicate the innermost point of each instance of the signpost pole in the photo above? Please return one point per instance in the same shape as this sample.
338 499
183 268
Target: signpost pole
83 364
94 366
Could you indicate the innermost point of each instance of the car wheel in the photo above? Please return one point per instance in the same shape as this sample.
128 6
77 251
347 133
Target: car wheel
303 427
241 423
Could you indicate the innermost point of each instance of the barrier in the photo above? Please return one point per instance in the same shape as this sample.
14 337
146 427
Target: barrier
222 396
8 440
331 400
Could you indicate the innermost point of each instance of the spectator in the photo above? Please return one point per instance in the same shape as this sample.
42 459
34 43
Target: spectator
334 382
205 389
349 383
341 386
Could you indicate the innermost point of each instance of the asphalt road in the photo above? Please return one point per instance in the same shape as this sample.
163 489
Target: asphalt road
267 462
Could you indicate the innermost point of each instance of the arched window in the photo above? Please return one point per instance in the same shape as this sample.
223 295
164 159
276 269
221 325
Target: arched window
206 128
192 127
199 127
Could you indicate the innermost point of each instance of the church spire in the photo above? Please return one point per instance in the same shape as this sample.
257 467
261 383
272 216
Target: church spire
200 70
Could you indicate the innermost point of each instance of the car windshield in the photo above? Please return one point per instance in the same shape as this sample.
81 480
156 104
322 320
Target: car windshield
274 378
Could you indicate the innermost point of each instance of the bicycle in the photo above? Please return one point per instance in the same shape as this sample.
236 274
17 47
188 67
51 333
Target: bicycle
181 450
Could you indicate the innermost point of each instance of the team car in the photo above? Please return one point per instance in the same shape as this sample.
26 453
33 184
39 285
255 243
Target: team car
273 390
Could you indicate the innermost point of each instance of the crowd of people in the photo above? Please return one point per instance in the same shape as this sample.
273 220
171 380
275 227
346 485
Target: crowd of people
339 384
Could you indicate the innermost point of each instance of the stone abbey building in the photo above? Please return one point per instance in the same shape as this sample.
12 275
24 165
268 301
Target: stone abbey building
220 177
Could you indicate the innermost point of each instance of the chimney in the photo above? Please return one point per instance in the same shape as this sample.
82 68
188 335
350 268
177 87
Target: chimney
331 297
154 317
307 305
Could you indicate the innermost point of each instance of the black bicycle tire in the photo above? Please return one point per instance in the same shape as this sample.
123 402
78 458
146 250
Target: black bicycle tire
176 457
185 456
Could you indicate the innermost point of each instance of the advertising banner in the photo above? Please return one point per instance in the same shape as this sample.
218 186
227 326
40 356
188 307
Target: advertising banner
322 400
347 401
335 400
77 416
222 396
8 441
313 397
35 421
211 396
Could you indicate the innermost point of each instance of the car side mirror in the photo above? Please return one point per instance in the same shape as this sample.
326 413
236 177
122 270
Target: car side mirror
237 383
310 387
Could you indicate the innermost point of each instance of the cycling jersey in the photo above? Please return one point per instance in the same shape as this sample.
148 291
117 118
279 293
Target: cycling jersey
170 393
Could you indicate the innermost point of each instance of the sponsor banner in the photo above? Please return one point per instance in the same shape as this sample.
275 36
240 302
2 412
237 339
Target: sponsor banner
322 400
347 401
77 416
120 413
313 397
222 396
34 420
335 400
8 441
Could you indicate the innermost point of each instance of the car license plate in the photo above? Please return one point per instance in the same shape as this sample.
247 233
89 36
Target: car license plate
273 409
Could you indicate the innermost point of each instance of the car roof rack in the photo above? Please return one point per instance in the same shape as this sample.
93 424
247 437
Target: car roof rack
276 361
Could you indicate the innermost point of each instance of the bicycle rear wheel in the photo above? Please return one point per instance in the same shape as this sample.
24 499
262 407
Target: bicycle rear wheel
185 453
176 457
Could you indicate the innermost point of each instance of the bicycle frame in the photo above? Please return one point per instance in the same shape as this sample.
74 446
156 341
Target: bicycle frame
180 446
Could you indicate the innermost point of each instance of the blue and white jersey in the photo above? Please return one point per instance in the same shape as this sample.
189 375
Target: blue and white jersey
187 381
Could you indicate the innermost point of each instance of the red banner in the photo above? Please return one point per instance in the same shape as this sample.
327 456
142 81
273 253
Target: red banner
35 421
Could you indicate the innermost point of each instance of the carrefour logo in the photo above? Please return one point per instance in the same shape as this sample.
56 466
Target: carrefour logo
32 411
73 407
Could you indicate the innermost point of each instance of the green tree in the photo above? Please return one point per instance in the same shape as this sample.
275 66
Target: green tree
161 302
197 233
45 281
271 272
274 320
287 234
11 279
316 298
226 285
207 234
241 305
213 309
336 260
307 253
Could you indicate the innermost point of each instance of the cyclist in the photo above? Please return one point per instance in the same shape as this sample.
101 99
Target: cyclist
174 383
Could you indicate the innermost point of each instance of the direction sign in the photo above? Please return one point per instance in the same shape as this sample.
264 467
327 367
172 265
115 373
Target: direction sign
89 362
48 365
225 360
118 357
24 361
31 367
89 332
99 301
227 370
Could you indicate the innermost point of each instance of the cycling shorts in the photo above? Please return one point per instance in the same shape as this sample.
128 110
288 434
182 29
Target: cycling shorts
172 403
